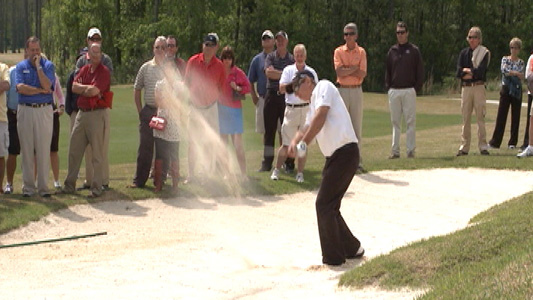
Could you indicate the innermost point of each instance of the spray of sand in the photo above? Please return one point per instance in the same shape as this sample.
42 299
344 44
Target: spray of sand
215 164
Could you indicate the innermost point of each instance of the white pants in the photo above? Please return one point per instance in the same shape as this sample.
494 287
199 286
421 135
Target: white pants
403 102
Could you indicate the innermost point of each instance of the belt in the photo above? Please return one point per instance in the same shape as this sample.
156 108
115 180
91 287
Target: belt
90 109
473 83
36 104
296 105
354 86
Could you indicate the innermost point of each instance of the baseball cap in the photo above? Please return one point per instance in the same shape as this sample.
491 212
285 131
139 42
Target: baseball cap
94 31
283 34
211 37
267 33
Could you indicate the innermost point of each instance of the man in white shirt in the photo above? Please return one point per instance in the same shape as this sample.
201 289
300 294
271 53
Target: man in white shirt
295 111
328 120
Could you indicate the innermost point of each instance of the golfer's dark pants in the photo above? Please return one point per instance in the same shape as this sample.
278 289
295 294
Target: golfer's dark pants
146 146
501 119
526 135
336 239
273 112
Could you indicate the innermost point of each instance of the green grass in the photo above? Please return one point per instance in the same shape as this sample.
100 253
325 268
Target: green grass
489 260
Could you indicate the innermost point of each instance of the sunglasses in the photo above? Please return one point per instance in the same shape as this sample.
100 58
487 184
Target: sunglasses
96 39
471 37
349 33
160 47
401 32
266 37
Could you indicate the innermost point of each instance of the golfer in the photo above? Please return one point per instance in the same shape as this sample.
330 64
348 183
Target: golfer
329 121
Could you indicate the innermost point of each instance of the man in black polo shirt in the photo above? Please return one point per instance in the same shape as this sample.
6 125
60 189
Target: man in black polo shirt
274 109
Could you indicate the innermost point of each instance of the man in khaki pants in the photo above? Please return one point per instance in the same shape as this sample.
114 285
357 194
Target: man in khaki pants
350 65
472 68
94 36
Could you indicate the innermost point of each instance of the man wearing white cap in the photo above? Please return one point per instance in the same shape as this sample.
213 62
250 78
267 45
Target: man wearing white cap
94 36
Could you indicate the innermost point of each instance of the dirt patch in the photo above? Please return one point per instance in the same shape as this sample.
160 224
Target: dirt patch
240 248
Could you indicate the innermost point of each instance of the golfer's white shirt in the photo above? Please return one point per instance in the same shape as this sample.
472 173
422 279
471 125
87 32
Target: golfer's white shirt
337 130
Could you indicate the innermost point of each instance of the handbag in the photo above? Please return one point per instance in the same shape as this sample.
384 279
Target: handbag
237 96
157 123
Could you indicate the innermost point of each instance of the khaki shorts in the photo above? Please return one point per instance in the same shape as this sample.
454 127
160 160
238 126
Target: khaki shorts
293 120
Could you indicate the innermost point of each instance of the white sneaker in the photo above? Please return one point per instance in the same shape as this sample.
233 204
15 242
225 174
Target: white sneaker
527 152
8 189
57 185
300 177
275 174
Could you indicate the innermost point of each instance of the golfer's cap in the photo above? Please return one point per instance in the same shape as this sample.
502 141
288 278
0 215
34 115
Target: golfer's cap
283 34
298 78
93 31
267 33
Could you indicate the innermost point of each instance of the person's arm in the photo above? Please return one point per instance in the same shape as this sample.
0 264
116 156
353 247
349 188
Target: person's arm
284 80
419 73
252 78
137 99
44 80
310 131
85 90
4 86
273 73
388 71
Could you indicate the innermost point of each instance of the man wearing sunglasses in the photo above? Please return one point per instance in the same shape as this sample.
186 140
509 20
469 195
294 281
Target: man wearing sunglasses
173 56
350 65
404 77
471 69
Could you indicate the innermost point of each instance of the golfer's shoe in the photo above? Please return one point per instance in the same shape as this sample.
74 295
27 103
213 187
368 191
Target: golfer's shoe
57 185
360 252
275 174
527 152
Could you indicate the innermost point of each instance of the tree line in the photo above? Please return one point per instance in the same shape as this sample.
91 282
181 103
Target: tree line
129 27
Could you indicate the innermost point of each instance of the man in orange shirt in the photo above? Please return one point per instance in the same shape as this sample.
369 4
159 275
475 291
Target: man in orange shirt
350 65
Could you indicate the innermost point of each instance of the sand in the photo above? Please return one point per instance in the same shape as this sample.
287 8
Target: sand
263 247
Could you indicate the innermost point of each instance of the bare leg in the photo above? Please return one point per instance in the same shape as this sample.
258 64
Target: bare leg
54 160
239 149
11 166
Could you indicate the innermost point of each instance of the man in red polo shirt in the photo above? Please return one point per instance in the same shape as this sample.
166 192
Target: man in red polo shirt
205 77
90 84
